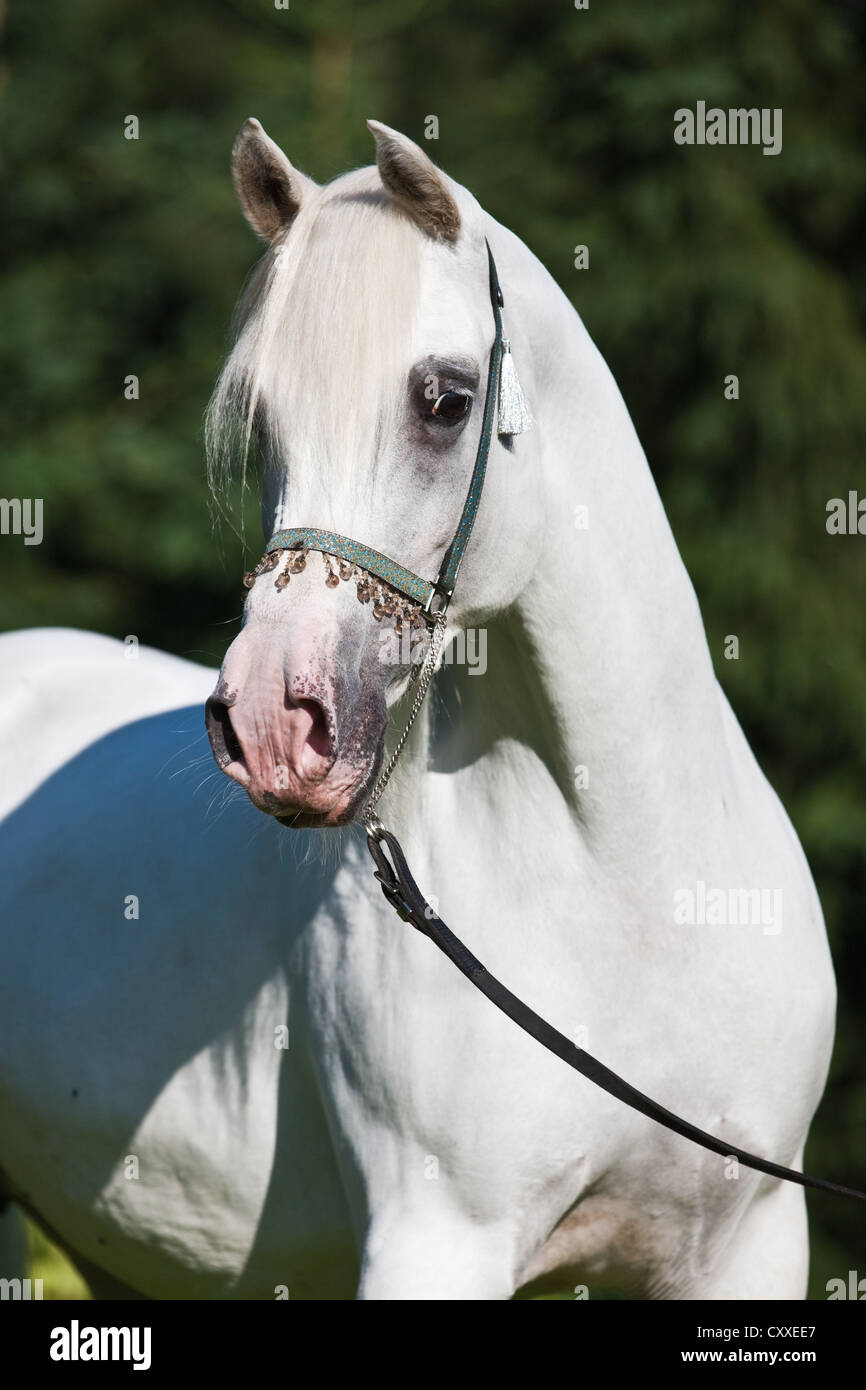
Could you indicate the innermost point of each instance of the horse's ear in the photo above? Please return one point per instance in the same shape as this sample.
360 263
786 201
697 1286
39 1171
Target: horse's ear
269 189
415 183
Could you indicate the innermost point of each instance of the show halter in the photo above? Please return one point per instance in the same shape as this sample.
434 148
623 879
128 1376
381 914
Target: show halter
432 595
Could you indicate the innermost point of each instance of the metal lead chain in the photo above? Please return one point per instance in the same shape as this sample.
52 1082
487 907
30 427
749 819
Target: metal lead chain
371 822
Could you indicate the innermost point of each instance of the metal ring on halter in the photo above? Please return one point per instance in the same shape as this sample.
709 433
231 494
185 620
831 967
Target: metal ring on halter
373 826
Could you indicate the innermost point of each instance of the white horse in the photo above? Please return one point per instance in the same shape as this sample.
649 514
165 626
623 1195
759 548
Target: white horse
229 1071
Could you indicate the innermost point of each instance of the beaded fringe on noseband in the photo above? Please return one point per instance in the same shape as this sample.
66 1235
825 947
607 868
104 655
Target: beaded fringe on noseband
387 602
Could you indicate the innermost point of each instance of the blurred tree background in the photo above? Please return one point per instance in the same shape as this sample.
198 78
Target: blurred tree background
126 256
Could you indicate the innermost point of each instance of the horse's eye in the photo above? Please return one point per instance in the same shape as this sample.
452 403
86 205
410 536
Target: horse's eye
451 406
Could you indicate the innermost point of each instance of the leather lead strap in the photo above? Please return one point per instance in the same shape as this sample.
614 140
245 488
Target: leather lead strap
408 901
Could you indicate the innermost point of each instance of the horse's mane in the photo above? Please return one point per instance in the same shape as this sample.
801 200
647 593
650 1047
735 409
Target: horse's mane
321 343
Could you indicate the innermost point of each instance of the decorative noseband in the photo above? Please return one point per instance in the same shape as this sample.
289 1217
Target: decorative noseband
395 592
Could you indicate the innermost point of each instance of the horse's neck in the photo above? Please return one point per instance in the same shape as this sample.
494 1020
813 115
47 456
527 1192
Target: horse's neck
600 691
611 619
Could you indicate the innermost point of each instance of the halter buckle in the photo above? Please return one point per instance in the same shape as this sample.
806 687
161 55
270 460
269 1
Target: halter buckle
395 898
438 600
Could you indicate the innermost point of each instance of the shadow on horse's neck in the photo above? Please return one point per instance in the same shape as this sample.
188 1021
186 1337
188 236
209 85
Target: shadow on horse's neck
474 710
617 745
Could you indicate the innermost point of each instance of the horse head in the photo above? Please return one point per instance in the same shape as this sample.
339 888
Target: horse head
360 370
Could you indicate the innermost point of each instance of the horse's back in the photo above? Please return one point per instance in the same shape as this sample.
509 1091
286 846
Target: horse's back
61 689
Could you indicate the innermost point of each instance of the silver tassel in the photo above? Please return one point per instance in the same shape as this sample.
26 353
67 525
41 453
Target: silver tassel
514 417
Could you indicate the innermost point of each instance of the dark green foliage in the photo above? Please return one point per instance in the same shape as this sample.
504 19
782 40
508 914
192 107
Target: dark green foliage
126 257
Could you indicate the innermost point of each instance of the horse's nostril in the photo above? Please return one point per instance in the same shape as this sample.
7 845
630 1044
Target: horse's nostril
319 737
220 730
